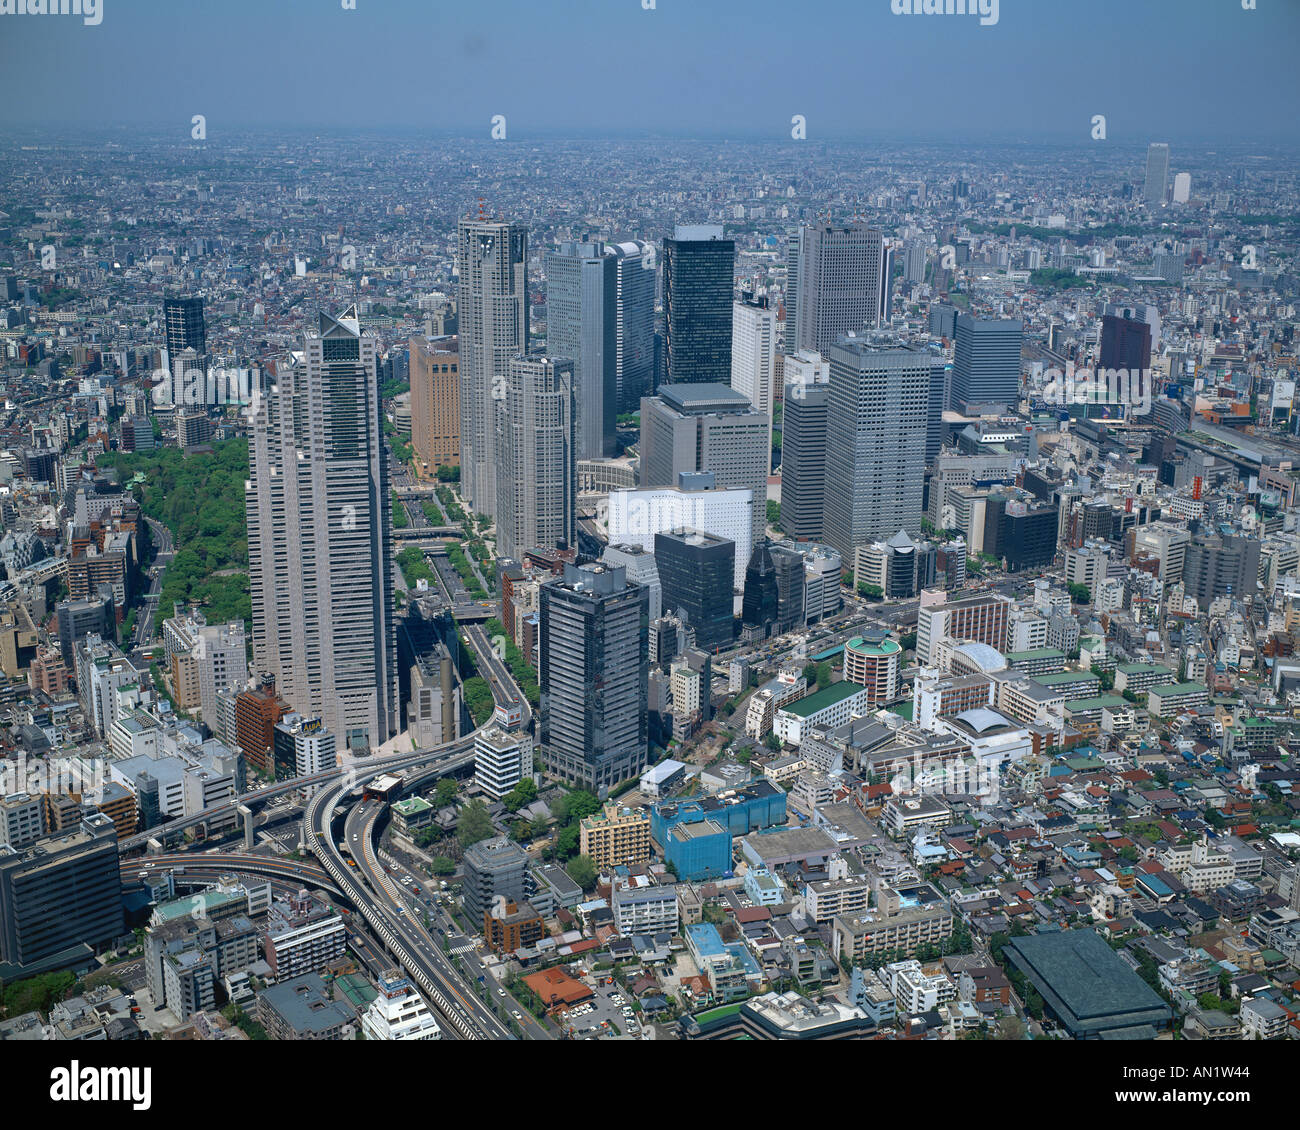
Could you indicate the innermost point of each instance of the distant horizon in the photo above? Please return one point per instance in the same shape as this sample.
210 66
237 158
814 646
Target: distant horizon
73 132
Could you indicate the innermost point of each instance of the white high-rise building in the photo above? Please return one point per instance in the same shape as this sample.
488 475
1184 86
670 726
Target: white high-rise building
537 470
502 758
635 516
493 327
753 355
398 1013
320 538
1182 188
1157 180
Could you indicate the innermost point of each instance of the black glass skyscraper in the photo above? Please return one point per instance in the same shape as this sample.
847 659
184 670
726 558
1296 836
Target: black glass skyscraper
697 572
185 327
759 607
699 265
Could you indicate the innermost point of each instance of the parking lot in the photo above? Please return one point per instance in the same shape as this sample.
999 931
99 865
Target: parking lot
603 1016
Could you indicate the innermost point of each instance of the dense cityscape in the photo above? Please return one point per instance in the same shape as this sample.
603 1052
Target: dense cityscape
649 589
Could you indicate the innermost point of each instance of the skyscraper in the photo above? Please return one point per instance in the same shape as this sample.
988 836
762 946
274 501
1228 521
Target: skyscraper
536 464
1157 181
435 400
493 323
759 608
699 268
593 675
634 322
753 354
697 571
707 427
839 277
877 423
1125 343
986 363
803 445
581 323
319 538
184 326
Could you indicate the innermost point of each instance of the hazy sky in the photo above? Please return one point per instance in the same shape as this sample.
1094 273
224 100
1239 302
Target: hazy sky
1182 70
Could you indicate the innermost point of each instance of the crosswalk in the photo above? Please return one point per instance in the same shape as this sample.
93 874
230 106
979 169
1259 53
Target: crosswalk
461 950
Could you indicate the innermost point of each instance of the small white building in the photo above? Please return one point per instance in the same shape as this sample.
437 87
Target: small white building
398 1013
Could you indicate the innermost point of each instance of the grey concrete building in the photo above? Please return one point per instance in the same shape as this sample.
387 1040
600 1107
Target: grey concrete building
320 538
493 323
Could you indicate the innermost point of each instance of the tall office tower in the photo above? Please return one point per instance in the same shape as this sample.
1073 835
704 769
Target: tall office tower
803 445
877 423
184 326
493 320
753 354
1142 312
634 346
1182 188
885 312
914 261
537 471
759 608
938 402
707 427
61 895
594 676
1157 182
435 400
697 572
841 282
793 253
791 584
581 324
699 268
320 551
986 364
1125 343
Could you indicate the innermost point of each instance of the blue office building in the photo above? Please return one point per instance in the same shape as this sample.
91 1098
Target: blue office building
759 804
699 850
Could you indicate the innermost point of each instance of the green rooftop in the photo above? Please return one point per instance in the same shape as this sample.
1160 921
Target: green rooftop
210 900
1180 689
1138 668
827 697
1065 677
1100 702
877 650
1035 653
